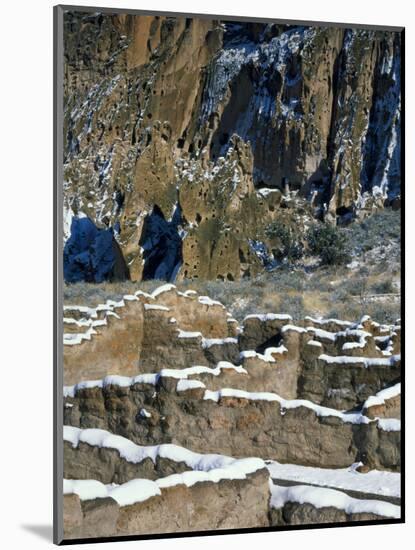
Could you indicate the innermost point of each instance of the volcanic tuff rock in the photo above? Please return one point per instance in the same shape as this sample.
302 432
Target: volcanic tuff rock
178 412
185 138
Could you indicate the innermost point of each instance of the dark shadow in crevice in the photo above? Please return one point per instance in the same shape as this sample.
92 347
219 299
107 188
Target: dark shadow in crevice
92 254
272 342
162 245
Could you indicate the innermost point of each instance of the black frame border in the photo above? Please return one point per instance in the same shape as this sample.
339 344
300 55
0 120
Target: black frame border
58 60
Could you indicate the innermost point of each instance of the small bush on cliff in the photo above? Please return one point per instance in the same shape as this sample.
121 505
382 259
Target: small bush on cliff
287 244
329 243
355 286
383 287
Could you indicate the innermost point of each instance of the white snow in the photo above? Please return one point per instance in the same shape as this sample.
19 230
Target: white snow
184 294
375 482
328 321
198 369
389 424
364 319
114 304
269 317
206 301
188 334
99 323
111 380
151 378
81 322
352 345
228 365
360 334
130 298
265 191
144 294
323 334
322 498
229 392
367 362
334 336
190 293
136 490
314 343
149 307
161 289
267 356
67 222
239 469
382 396
73 339
184 385
148 378
208 342
292 328
144 413
86 489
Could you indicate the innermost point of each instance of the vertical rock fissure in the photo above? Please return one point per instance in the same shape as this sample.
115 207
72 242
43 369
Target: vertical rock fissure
162 245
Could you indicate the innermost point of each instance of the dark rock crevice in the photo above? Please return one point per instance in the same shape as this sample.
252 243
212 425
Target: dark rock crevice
162 245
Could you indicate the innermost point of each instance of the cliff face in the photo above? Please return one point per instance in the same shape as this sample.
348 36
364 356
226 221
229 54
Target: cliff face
186 137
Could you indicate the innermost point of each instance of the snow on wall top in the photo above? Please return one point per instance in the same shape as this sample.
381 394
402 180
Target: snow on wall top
131 452
269 317
375 482
367 362
139 490
382 396
151 378
285 404
209 467
321 498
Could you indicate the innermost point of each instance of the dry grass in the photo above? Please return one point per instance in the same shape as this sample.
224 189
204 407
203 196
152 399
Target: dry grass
326 293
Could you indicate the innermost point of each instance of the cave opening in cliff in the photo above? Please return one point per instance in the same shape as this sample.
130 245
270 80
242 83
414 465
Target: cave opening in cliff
162 245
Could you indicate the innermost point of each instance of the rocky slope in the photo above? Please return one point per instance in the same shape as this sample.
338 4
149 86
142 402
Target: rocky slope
174 410
185 138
